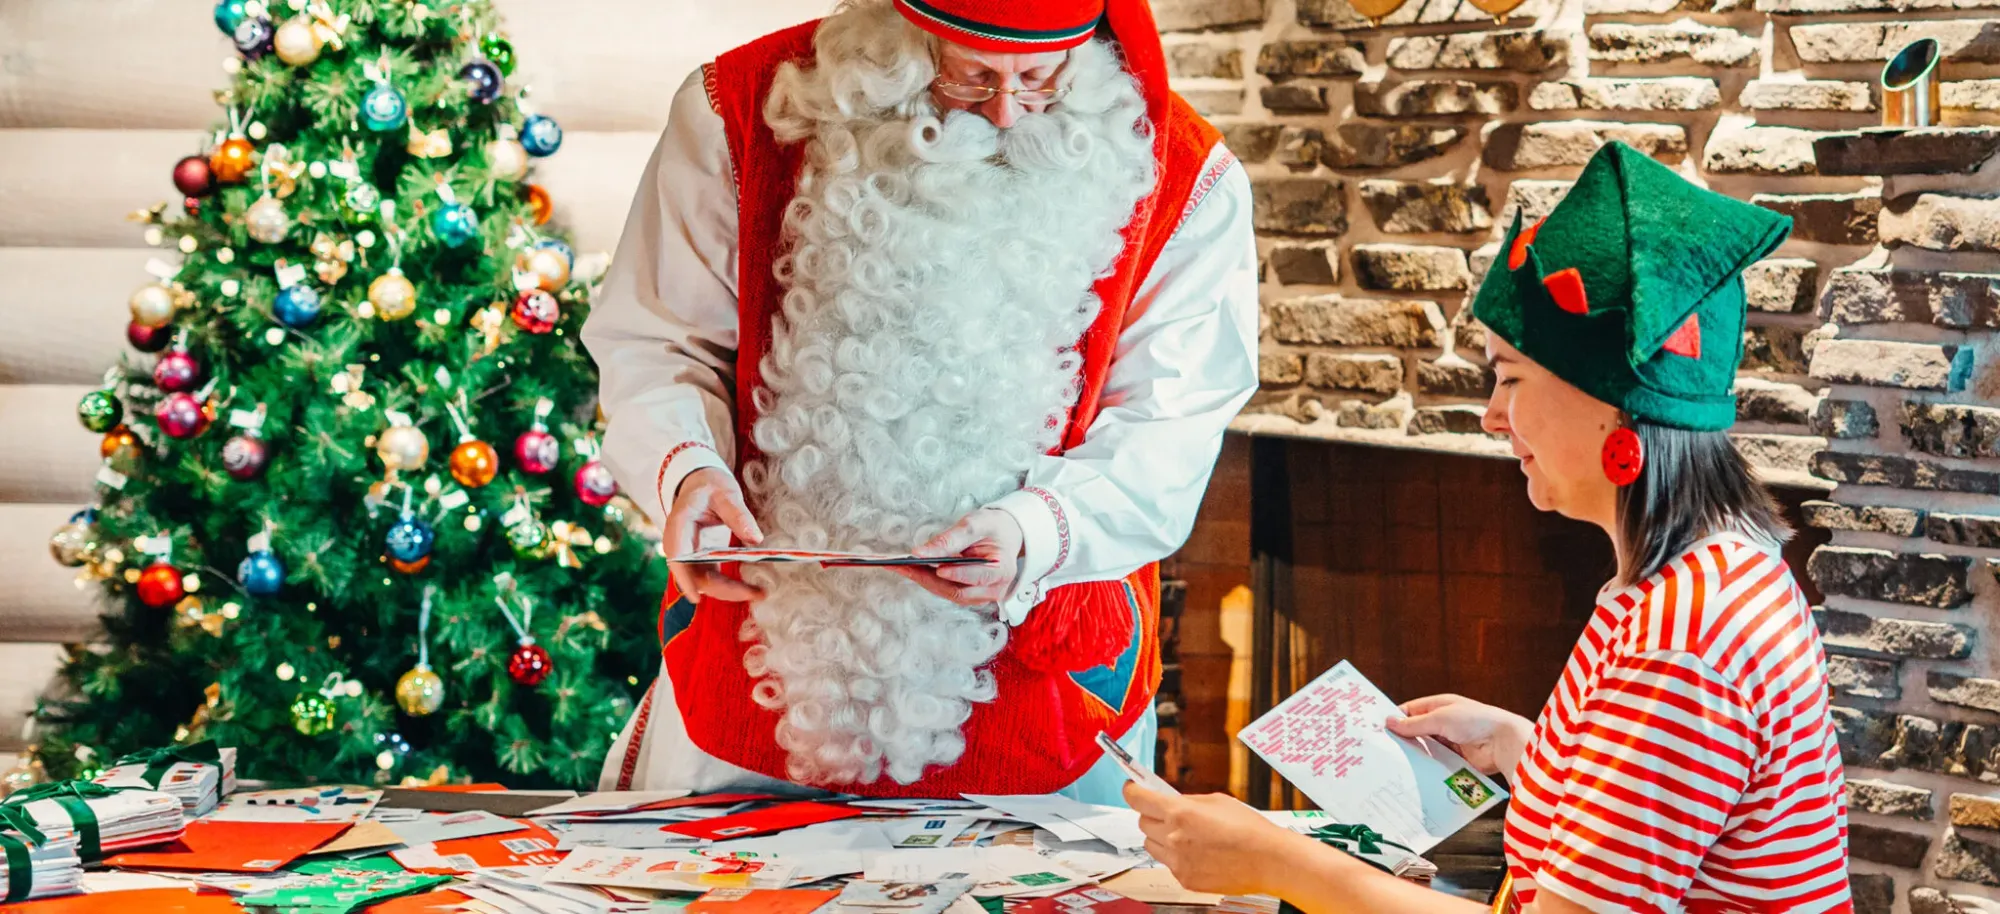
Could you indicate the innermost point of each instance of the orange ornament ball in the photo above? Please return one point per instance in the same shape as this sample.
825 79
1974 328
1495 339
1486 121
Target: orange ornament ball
232 160
117 441
410 567
474 463
540 202
121 449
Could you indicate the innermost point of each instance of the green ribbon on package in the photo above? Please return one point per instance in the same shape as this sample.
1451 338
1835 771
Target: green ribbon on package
160 761
20 869
73 797
1354 839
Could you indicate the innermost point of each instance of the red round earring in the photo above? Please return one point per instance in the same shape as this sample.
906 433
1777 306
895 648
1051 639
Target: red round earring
1623 456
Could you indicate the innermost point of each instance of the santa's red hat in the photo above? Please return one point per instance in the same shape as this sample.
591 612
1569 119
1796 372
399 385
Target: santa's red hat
1033 26
1007 26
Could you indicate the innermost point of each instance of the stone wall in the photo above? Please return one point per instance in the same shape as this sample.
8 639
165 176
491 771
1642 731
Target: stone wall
1388 161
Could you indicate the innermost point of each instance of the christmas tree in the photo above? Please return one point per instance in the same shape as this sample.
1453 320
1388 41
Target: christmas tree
351 519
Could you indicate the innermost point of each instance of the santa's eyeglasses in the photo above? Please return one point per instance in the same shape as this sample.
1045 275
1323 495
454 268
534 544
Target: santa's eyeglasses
981 94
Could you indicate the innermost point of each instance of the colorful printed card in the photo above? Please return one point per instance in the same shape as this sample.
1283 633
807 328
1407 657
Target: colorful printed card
1329 740
762 901
1087 900
677 871
305 804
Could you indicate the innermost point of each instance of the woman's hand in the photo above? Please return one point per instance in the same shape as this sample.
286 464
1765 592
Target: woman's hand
1213 843
1490 738
708 498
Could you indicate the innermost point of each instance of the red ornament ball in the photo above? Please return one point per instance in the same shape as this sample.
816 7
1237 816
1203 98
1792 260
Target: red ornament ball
530 665
1624 456
176 371
537 451
536 311
160 585
244 457
193 177
594 485
148 339
181 416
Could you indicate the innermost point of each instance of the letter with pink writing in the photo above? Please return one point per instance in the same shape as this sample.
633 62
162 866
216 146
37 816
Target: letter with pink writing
1329 740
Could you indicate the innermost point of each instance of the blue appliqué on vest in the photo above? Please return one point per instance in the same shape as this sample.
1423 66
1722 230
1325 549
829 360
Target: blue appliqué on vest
1112 682
679 617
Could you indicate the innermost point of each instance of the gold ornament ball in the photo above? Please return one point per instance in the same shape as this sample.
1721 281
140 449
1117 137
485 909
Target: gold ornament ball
474 463
549 265
403 447
297 42
393 296
72 544
26 773
508 159
152 306
420 692
267 221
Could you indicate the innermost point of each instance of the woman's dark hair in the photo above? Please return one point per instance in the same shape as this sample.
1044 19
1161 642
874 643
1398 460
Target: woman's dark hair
1694 485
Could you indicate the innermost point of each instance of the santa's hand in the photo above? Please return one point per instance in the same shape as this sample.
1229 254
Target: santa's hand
989 534
708 498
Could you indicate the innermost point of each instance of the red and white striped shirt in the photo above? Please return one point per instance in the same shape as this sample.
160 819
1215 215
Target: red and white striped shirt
1686 760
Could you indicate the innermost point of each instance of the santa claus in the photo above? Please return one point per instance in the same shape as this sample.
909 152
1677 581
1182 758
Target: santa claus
959 275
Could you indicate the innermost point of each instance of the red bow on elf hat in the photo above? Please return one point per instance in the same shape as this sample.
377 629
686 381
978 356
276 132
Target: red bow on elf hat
1034 26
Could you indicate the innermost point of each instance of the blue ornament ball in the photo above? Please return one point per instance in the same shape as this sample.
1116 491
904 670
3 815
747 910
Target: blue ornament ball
410 540
455 224
383 108
541 136
297 306
261 574
228 14
254 37
484 81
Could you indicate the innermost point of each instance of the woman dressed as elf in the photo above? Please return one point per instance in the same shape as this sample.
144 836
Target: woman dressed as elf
1686 760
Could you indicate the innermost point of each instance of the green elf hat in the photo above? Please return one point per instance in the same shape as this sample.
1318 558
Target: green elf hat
1632 289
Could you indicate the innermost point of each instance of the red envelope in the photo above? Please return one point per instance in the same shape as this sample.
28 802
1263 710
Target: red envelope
441 901
762 901
235 847
534 846
152 901
712 799
763 821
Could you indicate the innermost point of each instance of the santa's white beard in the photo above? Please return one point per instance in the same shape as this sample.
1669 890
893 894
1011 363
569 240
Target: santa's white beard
938 274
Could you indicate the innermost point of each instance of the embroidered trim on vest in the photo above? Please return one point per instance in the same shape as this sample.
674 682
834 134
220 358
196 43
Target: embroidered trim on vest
1207 182
660 481
995 32
631 764
709 88
1062 526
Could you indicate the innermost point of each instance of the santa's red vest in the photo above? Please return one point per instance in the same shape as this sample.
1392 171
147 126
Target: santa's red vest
1087 658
